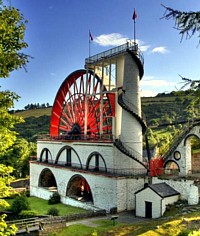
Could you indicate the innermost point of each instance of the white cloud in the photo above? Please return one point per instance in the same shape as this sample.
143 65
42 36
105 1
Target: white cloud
142 46
116 39
161 50
113 39
156 83
148 93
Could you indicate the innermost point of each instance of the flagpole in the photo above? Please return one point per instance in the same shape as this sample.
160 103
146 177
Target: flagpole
89 44
134 27
134 32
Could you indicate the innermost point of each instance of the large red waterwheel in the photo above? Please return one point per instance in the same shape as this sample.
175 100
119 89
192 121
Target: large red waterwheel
82 106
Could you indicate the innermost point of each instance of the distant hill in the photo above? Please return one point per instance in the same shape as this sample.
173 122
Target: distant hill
34 112
162 109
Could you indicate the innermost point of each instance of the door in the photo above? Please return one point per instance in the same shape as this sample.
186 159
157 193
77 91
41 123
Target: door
148 209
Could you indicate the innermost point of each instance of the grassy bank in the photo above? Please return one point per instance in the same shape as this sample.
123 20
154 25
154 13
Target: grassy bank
41 207
176 226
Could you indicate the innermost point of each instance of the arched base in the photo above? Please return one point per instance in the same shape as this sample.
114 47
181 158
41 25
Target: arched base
79 189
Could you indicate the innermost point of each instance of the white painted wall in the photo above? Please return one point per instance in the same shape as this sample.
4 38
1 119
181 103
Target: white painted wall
107 191
131 130
188 191
167 201
184 148
83 149
158 203
148 195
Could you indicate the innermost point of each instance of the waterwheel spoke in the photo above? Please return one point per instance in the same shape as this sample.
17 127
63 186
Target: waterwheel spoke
70 105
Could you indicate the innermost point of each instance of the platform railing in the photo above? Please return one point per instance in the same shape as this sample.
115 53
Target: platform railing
96 169
116 51
77 137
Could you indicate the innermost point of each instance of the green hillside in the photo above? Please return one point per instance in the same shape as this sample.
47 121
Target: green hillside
160 110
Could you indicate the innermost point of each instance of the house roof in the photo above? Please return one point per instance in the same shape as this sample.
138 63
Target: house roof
162 189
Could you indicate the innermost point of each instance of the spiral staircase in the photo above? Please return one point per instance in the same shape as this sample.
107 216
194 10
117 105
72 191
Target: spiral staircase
125 149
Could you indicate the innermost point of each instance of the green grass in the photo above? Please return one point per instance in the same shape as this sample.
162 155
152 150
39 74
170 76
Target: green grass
157 227
41 206
35 112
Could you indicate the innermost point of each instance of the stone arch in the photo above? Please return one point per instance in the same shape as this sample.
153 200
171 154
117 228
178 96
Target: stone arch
69 154
189 137
79 189
171 167
47 154
194 157
98 162
47 179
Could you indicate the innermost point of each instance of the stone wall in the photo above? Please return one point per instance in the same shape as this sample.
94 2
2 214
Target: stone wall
108 192
196 162
188 191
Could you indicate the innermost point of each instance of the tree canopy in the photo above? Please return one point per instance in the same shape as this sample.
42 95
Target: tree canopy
187 23
12 30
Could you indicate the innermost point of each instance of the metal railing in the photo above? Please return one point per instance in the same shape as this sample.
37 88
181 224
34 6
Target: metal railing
77 137
116 51
132 107
131 152
96 169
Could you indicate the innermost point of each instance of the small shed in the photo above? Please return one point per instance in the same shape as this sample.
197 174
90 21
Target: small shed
151 201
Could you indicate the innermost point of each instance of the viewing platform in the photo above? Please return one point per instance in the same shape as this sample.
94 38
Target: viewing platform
114 52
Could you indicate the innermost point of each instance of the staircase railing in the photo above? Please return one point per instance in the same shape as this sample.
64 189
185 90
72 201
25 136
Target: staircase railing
130 107
177 141
127 150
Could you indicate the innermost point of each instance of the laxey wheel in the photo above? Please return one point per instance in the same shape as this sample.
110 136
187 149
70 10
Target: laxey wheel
80 107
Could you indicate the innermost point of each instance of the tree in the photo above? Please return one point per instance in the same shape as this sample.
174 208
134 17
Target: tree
7 121
188 24
12 30
18 156
5 191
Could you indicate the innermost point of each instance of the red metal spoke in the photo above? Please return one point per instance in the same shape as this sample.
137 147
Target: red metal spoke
67 117
70 105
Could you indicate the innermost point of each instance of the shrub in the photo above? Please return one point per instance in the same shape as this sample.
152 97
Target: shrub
27 214
53 211
54 199
20 203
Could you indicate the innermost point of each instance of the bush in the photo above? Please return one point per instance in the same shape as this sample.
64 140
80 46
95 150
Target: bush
19 204
53 211
27 214
54 199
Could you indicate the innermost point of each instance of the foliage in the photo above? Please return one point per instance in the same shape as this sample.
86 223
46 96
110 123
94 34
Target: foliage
53 211
20 203
6 230
188 232
5 191
5 180
12 30
36 106
27 214
18 156
54 199
7 121
33 127
188 23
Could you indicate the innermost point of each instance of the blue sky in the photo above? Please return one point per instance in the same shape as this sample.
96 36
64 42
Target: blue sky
57 35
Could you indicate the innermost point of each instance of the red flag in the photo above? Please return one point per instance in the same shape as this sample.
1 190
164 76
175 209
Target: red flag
91 38
134 14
